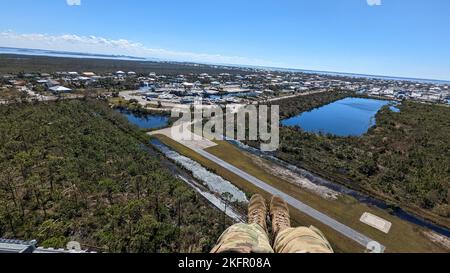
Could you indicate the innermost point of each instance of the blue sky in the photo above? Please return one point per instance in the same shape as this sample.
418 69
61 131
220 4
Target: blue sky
408 38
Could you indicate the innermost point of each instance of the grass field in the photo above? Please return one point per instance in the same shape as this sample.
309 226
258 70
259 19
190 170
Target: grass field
403 237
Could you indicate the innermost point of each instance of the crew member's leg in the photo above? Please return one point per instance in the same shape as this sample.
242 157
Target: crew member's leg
247 238
294 240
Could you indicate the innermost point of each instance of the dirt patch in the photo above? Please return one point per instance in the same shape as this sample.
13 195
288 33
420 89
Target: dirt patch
438 239
295 179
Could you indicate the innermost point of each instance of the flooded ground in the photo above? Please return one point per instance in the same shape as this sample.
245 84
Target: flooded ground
217 202
235 213
212 181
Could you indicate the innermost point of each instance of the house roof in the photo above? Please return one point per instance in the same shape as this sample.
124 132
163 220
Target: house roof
88 74
60 89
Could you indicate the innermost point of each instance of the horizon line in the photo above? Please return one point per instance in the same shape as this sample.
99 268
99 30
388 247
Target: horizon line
275 68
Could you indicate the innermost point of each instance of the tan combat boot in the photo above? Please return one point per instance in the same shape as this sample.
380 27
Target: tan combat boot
257 211
279 213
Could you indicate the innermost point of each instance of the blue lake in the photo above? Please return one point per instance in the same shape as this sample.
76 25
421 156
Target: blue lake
150 121
347 117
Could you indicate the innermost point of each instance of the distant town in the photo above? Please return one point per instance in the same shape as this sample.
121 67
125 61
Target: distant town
245 86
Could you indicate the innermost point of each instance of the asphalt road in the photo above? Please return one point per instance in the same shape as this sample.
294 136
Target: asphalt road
325 219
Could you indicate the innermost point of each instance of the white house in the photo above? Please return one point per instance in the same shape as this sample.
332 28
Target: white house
120 73
188 85
88 74
60 89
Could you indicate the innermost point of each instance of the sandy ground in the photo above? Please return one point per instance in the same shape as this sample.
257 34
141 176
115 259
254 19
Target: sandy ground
294 178
185 137
438 239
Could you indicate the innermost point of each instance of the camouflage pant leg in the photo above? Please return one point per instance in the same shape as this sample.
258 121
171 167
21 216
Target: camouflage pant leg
302 240
243 238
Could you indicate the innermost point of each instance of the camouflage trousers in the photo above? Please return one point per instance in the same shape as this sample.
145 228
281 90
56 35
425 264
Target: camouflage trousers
245 238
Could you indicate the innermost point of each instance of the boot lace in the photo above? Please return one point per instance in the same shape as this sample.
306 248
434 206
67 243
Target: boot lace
281 219
256 216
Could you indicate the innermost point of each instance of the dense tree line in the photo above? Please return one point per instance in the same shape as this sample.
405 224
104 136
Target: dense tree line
16 64
293 106
76 170
12 94
404 159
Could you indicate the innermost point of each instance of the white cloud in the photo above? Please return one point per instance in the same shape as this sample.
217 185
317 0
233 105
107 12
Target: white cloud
100 45
374 2
73 2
